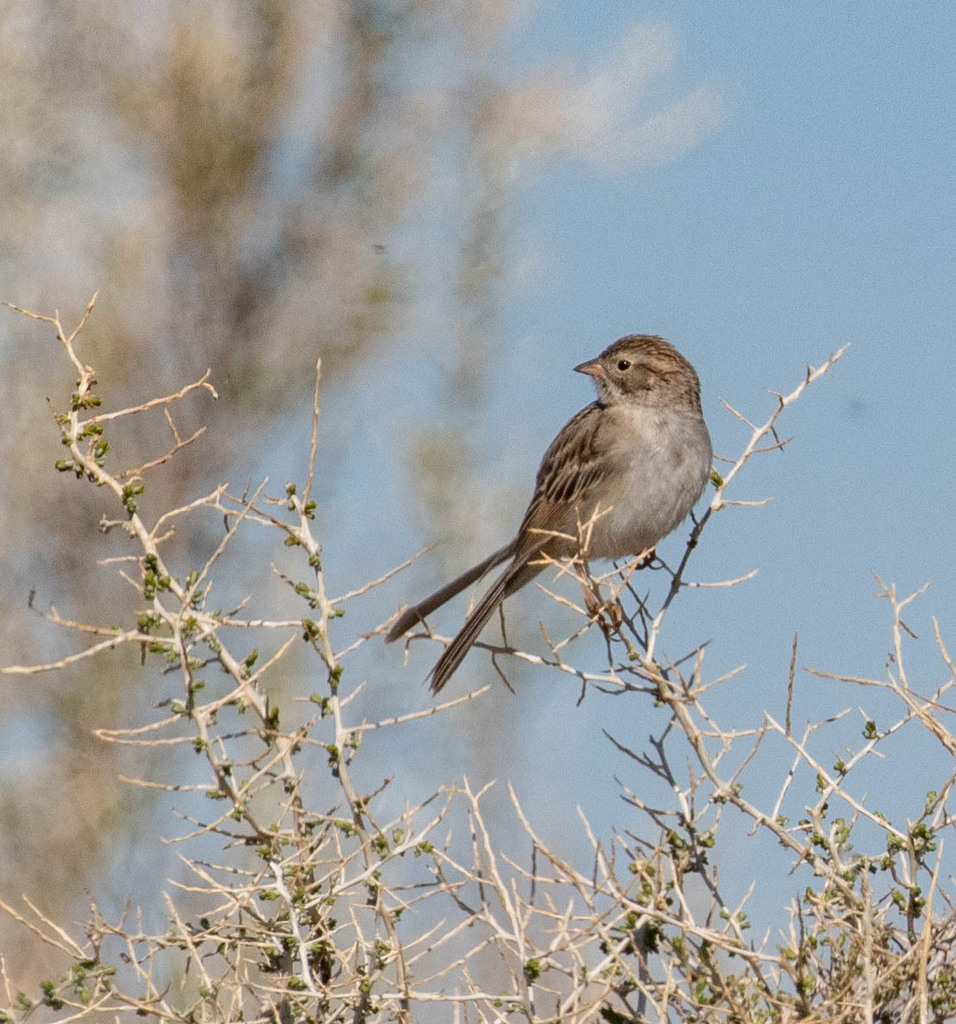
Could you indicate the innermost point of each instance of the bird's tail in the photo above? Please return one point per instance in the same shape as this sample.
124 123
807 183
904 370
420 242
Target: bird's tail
512 579
417 612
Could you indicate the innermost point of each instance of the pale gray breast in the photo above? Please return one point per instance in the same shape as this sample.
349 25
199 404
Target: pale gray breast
661 461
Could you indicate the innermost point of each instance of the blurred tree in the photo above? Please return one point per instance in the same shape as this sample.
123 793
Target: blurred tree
230 175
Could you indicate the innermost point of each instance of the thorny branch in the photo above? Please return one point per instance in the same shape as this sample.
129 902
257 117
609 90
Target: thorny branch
319 904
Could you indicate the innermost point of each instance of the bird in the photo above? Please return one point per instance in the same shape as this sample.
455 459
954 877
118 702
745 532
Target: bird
621 475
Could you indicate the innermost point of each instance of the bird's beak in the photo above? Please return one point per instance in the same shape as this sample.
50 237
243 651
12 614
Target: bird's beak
592 369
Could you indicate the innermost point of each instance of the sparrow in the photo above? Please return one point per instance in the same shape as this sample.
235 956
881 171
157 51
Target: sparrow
621 474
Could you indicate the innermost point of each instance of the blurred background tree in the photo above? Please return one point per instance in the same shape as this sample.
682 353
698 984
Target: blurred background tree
232 176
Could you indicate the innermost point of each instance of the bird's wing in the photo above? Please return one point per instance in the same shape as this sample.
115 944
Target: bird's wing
573 466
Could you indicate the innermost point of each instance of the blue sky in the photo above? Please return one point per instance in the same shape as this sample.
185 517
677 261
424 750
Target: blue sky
816 211
819 213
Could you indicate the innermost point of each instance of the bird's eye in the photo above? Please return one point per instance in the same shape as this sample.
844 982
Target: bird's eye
623 364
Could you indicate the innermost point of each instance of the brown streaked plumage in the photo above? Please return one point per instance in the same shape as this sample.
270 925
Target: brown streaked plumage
630 466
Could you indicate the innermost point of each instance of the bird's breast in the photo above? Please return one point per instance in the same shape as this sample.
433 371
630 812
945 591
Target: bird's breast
661 460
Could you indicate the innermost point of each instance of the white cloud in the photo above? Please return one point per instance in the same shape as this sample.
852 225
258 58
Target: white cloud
603 116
